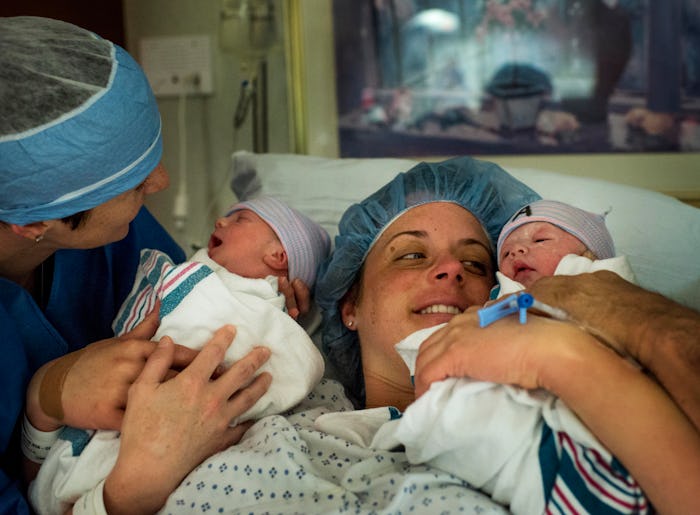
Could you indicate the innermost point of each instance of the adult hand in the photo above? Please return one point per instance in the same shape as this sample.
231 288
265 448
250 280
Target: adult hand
602 302
93 392
171 426
297 296
659 333
630 319
620 404
504 352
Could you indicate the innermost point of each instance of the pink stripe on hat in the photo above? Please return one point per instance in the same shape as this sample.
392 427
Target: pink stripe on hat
307 243
586 226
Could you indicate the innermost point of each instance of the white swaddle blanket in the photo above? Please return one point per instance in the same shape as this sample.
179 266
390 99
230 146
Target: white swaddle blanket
572 264
197 297
491 435
487 434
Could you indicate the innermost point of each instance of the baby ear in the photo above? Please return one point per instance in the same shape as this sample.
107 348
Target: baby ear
276 258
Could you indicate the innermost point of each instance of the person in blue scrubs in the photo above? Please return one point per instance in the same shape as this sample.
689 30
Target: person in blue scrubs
80 149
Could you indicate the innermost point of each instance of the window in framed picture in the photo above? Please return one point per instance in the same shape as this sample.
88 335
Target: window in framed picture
442 77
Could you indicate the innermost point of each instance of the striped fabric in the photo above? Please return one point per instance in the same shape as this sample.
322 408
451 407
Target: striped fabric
151 272
177 283
577 479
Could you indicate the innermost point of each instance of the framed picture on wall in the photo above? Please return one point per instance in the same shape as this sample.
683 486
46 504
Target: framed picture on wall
441 77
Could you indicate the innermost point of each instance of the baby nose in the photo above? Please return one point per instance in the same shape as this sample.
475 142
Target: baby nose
516 249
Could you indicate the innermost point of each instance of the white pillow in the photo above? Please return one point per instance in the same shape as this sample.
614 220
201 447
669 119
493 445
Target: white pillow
659 234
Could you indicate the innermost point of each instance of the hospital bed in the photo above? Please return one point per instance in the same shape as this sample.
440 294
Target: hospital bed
316 458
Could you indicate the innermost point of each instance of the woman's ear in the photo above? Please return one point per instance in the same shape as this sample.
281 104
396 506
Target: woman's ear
348 309
276 258
33 231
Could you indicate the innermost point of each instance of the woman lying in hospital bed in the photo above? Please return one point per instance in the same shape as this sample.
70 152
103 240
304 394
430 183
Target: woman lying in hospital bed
322 456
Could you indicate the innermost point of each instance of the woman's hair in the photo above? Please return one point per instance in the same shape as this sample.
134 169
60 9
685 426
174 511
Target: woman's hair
483 188
75 220
79 124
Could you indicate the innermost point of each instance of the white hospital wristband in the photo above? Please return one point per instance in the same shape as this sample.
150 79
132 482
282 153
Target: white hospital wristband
36 444
91 502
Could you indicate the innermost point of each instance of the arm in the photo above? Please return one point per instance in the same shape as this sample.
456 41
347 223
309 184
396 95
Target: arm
88 388
69 391
629 413
662 335
170 427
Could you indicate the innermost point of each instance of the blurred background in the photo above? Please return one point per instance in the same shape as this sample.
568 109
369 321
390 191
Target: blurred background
307 76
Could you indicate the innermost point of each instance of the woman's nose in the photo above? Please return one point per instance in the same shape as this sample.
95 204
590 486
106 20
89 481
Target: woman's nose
450 268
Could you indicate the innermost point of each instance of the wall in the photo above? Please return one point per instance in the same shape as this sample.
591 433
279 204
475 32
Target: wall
677 174
304 119
106 21
210 135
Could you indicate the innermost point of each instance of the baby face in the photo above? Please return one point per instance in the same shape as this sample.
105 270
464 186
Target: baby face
240 243
534 250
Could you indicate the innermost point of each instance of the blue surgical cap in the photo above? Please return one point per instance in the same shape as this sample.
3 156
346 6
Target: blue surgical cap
483 188
78 121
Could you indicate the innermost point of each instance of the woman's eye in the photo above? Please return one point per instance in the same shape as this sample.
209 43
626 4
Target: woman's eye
412 255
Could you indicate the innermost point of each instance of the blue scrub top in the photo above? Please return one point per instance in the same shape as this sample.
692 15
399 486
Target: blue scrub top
87 290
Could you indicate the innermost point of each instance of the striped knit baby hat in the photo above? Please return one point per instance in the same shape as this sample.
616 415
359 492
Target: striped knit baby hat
307 243
586 226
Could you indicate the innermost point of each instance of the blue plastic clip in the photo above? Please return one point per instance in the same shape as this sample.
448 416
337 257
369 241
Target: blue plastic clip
503 308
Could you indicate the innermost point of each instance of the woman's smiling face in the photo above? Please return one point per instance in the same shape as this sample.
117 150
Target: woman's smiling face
430 264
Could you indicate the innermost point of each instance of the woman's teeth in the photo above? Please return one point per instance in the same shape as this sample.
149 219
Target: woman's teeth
440 308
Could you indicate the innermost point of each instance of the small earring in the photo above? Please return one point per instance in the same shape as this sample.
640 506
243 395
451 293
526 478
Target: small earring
38 238
350 323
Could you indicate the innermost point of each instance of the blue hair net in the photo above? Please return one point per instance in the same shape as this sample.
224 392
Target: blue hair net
78 121
481 187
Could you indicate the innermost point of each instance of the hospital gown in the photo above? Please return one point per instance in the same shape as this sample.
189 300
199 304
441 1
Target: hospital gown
290 464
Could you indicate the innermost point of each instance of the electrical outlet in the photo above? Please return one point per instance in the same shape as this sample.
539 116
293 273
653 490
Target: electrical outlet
177 64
